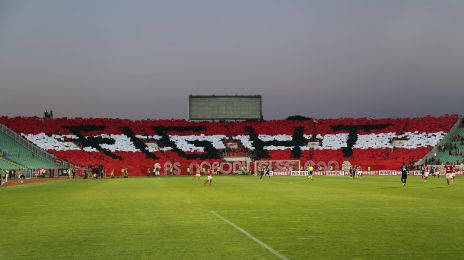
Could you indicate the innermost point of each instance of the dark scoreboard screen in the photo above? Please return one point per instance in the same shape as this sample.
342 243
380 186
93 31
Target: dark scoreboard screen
225 107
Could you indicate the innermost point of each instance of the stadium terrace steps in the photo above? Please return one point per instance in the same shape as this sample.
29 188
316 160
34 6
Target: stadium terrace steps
455 155
6 164
120 143
19 154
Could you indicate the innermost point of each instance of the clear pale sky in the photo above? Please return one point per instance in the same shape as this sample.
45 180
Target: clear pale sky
321 58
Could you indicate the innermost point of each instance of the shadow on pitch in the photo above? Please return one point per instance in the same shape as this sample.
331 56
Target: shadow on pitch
440 187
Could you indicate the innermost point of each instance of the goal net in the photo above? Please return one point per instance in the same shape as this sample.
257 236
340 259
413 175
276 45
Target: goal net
277 165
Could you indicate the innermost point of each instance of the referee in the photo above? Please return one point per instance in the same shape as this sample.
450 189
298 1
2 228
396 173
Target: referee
404 174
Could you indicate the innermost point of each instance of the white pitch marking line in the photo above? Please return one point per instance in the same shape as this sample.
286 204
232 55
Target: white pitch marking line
261 243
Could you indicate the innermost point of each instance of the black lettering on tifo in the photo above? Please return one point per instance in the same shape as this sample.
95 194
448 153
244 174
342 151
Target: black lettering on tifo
139 144
259 152
93 141
353 134
210 151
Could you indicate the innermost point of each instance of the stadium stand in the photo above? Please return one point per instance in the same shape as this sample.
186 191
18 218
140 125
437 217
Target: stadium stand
137 145
15 152
451 151
16 155
6 165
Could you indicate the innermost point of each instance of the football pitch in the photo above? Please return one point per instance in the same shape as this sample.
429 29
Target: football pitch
239 217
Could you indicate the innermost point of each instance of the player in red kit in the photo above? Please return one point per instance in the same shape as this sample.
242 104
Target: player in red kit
197 175
426 173
449 174
209 179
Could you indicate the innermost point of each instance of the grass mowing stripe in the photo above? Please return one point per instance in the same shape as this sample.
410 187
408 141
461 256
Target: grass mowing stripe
261 243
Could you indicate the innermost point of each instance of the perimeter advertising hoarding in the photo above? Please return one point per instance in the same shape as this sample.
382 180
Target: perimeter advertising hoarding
225 107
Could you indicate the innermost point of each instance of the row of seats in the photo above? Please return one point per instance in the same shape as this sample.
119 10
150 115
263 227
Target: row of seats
5 165
18 153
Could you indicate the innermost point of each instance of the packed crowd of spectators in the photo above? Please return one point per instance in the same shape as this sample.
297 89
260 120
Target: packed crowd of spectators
234 148
371 145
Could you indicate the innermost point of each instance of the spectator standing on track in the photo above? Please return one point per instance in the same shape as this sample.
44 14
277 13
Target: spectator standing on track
95 172
12 175
157 169
19 177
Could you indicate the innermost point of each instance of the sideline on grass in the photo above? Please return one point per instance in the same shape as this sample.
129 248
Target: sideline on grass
261 243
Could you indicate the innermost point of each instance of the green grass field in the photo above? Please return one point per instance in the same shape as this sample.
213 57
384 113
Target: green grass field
172 218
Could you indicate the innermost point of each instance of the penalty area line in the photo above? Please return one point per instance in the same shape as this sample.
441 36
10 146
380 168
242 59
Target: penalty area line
250 236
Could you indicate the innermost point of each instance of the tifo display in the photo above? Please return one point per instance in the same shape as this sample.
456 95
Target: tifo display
115 144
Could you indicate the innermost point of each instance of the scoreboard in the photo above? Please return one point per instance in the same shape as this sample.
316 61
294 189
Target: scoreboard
225 107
